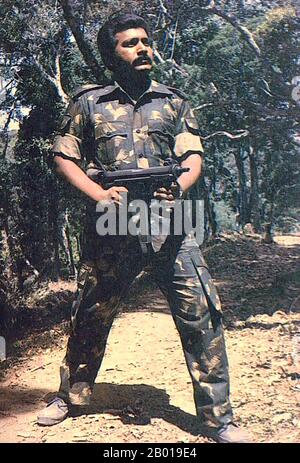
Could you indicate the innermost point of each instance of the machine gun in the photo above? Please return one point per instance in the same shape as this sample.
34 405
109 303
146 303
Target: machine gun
142 183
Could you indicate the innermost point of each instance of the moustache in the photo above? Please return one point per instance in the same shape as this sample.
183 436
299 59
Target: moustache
142 60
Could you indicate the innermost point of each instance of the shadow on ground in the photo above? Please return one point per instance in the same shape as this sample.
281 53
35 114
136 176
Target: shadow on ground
138 404
17 400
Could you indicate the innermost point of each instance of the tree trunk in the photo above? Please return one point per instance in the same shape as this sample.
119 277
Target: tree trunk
268 238
5 283
254 201
83 45
53 221
5 133
241 6
14 259
209 212
69 247
243 204
78 243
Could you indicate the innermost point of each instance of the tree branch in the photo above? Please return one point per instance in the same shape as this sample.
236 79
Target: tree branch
202 106
264 110
162 7
177 67
240 134
55 81
249 38
5 133
83 45
247 35
172 62
3 90
174 39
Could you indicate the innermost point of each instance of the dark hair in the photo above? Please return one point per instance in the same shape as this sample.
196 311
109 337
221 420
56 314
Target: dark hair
117 22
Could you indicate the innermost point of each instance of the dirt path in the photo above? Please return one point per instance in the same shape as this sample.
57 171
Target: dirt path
143 392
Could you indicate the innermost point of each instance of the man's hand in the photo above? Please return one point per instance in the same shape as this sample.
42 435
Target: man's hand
77 177
167 194
184 182
112 195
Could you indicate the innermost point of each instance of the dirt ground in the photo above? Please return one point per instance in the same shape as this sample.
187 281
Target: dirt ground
143 392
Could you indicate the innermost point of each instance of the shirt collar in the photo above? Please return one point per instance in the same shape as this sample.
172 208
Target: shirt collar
155 87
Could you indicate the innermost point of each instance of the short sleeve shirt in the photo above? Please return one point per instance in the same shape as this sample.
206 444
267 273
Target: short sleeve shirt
105 127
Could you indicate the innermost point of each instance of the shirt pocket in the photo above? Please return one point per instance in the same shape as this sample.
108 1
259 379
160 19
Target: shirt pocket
112 141
160 141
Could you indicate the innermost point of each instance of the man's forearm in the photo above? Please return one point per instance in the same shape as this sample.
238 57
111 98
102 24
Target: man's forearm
77 177
188 179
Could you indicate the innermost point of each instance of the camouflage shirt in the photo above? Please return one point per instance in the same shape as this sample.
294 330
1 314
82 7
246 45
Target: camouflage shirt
104 126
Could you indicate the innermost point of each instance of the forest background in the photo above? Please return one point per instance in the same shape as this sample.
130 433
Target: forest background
238 62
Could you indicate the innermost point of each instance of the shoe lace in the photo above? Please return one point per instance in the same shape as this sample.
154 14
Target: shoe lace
56 400
227 425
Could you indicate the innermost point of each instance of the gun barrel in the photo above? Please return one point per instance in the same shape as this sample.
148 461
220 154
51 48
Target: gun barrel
144 173
155 176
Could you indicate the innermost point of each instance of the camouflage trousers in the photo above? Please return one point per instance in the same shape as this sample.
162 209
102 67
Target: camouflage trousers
181 273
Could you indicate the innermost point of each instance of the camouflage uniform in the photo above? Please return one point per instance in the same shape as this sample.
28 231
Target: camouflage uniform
104 126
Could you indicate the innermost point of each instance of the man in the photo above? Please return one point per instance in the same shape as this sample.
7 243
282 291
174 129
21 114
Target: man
138 123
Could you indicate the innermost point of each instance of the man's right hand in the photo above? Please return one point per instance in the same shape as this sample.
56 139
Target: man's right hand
112 195
77 177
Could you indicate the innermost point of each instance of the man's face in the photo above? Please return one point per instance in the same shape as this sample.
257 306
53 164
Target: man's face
134 49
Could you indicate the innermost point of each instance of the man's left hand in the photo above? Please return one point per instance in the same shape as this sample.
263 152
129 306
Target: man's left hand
167 194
